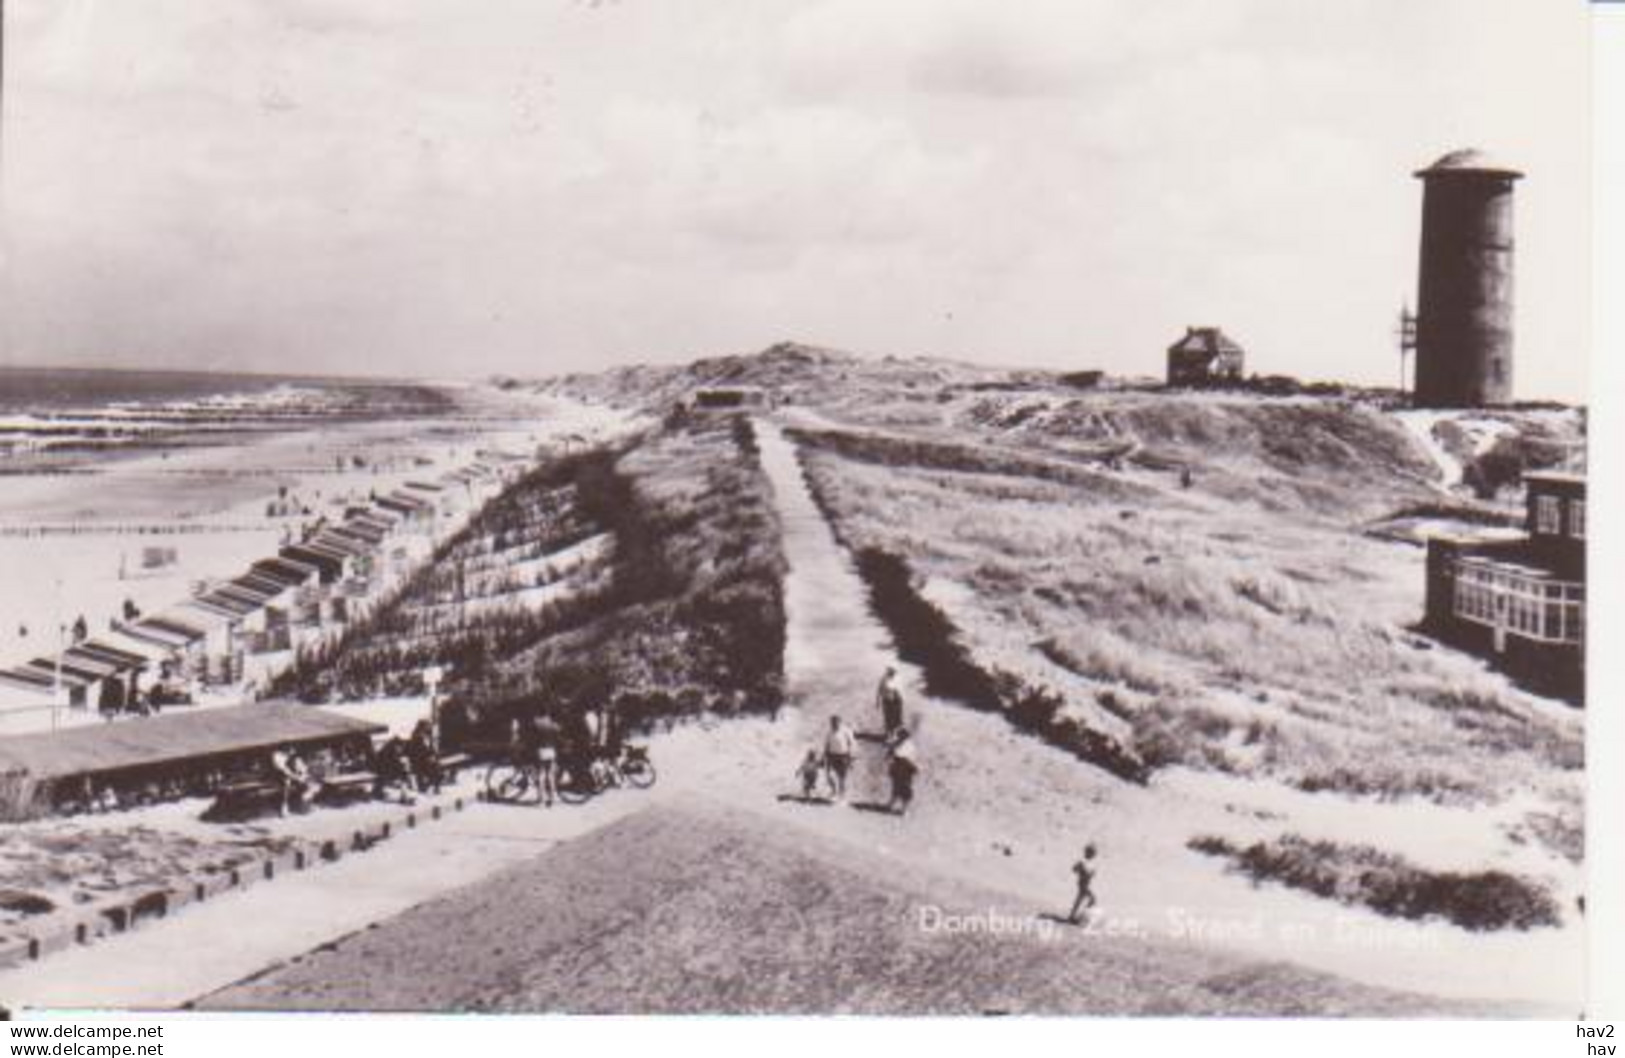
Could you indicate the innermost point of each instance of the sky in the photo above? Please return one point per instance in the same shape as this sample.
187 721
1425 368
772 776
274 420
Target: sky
469 187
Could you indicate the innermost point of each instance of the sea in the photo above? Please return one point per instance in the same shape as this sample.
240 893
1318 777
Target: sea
47 389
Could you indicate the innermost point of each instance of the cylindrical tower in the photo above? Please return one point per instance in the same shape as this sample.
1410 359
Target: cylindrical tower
1464 296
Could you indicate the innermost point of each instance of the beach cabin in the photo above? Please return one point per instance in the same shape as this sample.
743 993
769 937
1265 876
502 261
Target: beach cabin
432 493
346 595
183 641
218 619
302 584
417 513
76 682
27 696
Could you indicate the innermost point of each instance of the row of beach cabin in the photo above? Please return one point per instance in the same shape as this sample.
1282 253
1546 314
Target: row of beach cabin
240 632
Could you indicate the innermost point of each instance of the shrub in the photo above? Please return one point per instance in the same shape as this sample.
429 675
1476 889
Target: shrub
22 799
926 637
1389 885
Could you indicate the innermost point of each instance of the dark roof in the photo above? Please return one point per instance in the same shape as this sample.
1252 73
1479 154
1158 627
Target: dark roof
226 604
344 545
165 631
378 520
1567 478
129 659
128 744
48 668
320 557
269 587
91 660
405 504
89 668
366 533
23 676
1469 161
285 570
1206 341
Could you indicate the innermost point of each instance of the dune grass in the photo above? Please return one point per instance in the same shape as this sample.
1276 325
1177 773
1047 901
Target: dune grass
1360 875
692 619
1257 639
679 612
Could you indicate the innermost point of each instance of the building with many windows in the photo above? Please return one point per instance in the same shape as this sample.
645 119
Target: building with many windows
1520 603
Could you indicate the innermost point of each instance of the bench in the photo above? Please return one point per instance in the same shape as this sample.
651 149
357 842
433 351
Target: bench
348 786
452 764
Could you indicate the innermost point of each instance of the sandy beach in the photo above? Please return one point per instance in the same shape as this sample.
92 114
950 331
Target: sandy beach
153 529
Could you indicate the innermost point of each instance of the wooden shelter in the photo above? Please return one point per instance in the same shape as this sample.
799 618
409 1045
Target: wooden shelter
171 755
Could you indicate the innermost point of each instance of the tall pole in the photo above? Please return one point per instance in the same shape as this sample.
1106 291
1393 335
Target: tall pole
1406 334
61 633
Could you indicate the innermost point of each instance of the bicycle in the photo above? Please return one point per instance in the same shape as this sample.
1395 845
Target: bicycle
510 783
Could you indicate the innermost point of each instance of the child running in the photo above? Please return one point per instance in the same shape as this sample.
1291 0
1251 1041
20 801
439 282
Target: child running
1084 870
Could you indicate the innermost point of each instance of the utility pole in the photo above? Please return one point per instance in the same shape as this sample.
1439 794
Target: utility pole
1405 334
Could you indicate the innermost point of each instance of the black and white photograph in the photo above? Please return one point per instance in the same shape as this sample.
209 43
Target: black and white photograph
796 507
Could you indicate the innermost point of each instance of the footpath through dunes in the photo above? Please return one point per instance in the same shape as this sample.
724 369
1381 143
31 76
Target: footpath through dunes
691 907
1002 809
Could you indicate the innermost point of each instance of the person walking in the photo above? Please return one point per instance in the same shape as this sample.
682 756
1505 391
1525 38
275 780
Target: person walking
890 700
903 766
1084 872
839 746
808 771
549 737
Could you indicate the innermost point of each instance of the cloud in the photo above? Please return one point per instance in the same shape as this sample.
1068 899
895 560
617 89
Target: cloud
525 185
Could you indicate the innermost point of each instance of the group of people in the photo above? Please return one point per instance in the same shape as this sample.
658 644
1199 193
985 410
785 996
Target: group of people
403 767
407 767
833 763
168 688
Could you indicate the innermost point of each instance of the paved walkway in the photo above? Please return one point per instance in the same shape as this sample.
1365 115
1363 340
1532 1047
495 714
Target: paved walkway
235 935
836 650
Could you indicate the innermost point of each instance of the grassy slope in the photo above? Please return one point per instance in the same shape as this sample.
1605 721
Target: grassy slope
694 618
680 612
1243 625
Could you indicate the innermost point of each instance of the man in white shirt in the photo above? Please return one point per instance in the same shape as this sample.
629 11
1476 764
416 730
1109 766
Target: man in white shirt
839 747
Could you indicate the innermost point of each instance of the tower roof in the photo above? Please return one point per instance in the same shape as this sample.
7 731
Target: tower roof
1469 161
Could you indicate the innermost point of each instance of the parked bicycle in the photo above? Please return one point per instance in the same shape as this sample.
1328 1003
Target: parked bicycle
510 783
579 783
